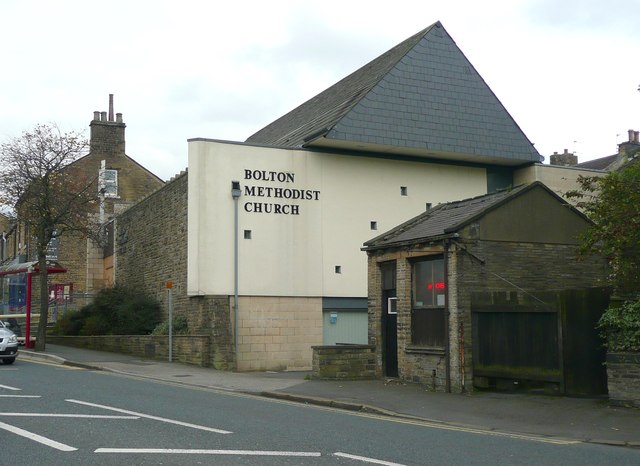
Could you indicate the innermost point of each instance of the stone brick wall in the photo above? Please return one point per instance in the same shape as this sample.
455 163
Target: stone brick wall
512 267
193 349
473 266
623 379
277 333
81 257
345 362
151 248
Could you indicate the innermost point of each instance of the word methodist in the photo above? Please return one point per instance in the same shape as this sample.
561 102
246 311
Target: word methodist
275 192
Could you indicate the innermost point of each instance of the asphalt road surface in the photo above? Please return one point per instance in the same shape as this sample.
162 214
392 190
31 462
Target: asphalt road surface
56 415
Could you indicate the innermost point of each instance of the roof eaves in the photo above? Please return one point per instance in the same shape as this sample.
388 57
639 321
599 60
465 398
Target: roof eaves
400 244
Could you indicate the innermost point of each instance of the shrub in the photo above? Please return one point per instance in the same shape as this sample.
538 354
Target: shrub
620 326
114 311
180 327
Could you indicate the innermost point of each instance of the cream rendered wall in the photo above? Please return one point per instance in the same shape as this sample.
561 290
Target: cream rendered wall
296 255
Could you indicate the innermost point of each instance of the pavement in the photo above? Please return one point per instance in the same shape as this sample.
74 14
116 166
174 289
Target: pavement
549 417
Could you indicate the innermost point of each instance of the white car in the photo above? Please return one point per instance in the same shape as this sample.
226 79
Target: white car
8 345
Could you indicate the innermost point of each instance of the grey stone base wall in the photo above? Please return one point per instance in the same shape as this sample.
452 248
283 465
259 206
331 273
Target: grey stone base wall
192 349
425 368
623 379
344 362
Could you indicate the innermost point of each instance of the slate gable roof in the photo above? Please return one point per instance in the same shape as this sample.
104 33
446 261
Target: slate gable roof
422 98
444 220
599 164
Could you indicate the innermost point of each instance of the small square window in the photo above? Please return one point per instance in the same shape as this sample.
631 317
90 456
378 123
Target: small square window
428 205
338 269
374 225
403 190
247 234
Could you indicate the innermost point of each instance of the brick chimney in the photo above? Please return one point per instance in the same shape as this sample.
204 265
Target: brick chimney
107 135
566 159
630 148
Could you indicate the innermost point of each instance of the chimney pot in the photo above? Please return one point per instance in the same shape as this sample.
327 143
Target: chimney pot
118 117
96 116
636 137
566 151
630 135
103 116
110 107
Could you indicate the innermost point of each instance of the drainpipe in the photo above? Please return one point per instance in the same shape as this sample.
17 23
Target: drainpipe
235 193
447 362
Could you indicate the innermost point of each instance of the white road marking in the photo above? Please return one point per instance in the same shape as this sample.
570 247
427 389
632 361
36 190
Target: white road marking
79 416
7 387
155 418
366 460
206 452
36 438
20 396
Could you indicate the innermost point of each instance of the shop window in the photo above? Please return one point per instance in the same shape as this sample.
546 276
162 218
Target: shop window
427 313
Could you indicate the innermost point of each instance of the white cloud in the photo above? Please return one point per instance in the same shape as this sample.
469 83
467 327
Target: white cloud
566 71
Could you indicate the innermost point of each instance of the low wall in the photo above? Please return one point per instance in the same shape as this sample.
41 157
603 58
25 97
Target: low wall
623 379
344 362
192 349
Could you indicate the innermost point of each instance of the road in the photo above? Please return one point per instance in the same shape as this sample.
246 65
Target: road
58 415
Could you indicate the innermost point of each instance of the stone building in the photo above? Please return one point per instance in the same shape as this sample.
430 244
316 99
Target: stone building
473 293
6 228
287 211
119 182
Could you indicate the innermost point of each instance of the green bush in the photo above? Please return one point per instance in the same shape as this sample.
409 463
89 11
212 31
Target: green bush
114 311
180 327
620 326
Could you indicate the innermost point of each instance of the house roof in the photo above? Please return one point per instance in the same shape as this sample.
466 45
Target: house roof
599 164
421 98
444 220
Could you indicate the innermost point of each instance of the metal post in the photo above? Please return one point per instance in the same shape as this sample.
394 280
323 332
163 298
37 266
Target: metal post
235 193
169 286
27 338
170 327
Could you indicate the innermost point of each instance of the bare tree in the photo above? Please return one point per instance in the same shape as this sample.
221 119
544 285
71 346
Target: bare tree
47 195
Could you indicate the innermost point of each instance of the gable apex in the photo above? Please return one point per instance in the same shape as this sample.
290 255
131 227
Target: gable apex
421 98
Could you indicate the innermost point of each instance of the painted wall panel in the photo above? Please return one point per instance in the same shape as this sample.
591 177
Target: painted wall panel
326 205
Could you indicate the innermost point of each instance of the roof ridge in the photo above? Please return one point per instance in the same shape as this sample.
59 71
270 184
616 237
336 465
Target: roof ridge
342 86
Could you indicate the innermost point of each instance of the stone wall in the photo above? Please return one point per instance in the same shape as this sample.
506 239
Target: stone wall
472 266
525 268
277 333
193 349
345 362
623 379
151 248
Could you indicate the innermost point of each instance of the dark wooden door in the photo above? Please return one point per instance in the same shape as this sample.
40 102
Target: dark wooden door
389 320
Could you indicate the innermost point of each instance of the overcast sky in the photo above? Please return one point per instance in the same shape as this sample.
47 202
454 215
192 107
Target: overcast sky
566 70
